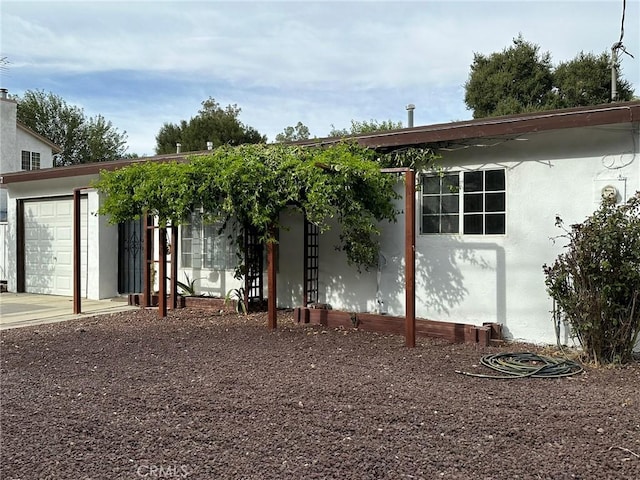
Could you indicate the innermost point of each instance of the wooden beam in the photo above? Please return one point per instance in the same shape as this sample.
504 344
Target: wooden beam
77 302
20 247
410 258
174 268
271 281
148 261
162 271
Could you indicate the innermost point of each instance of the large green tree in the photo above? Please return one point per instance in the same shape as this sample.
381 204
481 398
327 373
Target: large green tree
292 134
213 123
586 80
515 80
521 78
81 139
365 126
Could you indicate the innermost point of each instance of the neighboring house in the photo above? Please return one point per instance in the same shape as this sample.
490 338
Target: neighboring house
21 149
485 226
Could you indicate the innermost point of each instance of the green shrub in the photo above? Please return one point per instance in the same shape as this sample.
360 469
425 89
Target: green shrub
596 282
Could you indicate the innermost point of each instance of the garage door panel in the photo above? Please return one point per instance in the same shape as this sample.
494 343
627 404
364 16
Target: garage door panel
49 246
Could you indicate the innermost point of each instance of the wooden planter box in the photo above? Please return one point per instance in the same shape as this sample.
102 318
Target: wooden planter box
449 331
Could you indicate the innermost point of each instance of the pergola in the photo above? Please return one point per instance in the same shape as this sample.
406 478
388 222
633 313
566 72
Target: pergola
272 249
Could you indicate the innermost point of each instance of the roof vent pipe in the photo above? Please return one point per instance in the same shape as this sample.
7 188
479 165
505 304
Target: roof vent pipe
410 108
3 93
178 147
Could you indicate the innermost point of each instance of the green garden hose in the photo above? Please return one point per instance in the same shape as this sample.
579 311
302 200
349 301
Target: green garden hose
525 364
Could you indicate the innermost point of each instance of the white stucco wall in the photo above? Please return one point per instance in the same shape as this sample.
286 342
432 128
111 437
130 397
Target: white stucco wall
485 278
26 141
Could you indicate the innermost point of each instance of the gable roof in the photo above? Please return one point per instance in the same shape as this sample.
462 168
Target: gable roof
33 133
433 136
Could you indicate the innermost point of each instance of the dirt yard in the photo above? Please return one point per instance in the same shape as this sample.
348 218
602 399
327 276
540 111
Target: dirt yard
203 396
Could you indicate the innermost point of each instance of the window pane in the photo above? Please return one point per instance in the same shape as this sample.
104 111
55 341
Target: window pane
26 160
473 224
431 205
450 204
473 181
450 183
35 161
494 180
450 224
495 202
473 203
495 223
186 252
431 185
430 224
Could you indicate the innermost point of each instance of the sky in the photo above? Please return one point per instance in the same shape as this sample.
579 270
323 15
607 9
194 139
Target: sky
141 64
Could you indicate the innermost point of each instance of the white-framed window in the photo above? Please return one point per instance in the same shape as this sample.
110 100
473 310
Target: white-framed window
471 203
207 245
30 160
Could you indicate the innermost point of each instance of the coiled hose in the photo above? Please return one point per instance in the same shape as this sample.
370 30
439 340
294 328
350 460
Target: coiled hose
525 364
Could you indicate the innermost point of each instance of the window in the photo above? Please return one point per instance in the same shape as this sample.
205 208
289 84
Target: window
471 202
30 160
207 245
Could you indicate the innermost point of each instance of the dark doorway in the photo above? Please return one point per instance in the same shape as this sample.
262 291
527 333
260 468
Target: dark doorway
130 256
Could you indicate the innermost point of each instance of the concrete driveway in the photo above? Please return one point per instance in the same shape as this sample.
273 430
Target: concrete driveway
25 309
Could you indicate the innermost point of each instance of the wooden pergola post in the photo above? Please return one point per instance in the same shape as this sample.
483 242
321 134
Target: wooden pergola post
162 271
410 258
174 269
271 284
148 261
77 292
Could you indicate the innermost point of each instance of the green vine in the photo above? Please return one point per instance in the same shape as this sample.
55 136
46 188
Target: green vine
252 184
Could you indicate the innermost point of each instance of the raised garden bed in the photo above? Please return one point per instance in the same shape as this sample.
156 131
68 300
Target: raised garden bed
452 332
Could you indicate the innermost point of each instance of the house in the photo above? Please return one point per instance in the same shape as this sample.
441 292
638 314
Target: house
21 149
485 224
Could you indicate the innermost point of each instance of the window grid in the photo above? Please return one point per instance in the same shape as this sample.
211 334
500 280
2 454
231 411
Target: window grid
440 204
473 203
35 161
26 160
207 245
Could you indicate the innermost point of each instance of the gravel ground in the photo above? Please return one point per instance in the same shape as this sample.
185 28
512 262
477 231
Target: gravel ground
204 396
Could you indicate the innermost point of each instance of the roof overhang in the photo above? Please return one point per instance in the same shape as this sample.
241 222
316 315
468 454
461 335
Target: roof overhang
511 125
424 136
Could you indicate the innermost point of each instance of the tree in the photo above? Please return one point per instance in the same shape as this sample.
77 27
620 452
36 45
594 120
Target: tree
515 80
292 134
522 79
596 282
82 139
214 124
586 80
364 126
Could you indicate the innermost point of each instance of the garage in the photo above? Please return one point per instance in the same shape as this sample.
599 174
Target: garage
48 246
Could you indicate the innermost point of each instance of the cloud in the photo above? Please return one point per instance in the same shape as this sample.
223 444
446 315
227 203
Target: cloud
143 63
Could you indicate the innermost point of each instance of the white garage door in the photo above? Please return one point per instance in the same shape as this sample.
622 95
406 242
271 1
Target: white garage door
48 246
